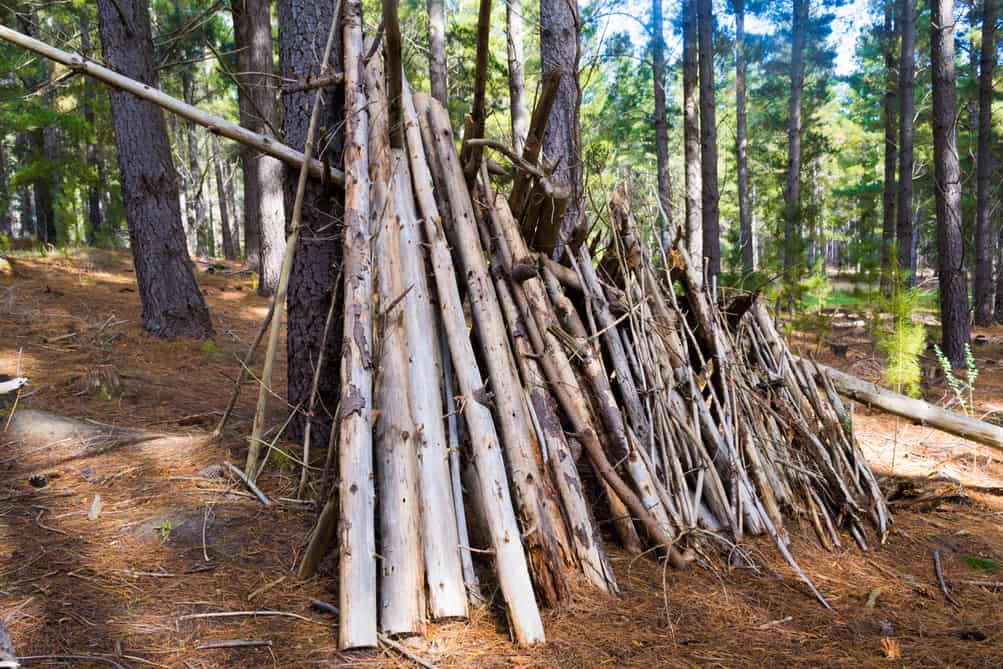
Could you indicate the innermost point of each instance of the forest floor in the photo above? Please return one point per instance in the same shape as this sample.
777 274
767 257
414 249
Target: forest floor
170 542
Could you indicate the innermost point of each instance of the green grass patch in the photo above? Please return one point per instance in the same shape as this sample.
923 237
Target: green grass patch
982 564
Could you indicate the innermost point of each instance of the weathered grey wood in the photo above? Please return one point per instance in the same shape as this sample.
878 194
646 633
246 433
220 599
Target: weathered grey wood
543 528
915 410
499 514
401 564
357 544
446 595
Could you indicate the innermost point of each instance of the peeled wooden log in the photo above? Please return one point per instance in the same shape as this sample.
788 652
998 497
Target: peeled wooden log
915 410
498 512
446 595
544 535
401 564
585 537
357 544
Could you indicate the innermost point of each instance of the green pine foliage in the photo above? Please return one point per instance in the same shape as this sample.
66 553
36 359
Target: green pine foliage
905 340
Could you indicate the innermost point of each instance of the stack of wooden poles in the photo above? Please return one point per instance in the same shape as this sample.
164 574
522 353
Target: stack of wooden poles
493 396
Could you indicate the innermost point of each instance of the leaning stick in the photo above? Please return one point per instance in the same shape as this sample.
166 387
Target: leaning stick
279 300
499 516
244 366
401 566
356 499
264 143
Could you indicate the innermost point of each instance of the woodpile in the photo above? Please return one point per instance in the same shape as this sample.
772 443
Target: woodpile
501 388
497 397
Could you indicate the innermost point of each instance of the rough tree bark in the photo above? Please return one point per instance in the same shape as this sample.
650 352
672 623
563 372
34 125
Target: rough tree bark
437 73
999 276
516 75
907 112
792 191
745 236
889 38
264 238
983 288
661 120
172 303
559 50
302 32
708 142
947 185
691 134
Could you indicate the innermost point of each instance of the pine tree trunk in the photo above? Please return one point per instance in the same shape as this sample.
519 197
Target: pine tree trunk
947 185
559 50
264 217
792 191
907 112
691 134
172 303
999 275
661 121
889 37
437 73
6 219
708 142
229 248
516 75
983 289
745 236
302 33
196 189
95 216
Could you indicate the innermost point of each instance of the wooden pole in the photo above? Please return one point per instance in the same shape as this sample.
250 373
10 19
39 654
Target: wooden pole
401 564
499 515
446 595
357 545
264 143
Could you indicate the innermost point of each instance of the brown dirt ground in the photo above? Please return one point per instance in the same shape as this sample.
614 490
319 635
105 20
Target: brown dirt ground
119 584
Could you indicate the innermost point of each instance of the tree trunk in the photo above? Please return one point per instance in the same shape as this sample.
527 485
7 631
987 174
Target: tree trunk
745 237
999 276
6 219
983 289
172 303
559 50
691 134
792 191
41 185
907 112
516 75
264 238
708 142
661 121
95 216
947 186
437 73
196 188
229 248
302 33
889 38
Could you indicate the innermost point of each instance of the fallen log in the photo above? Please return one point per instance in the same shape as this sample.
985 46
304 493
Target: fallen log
264 143
915 410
